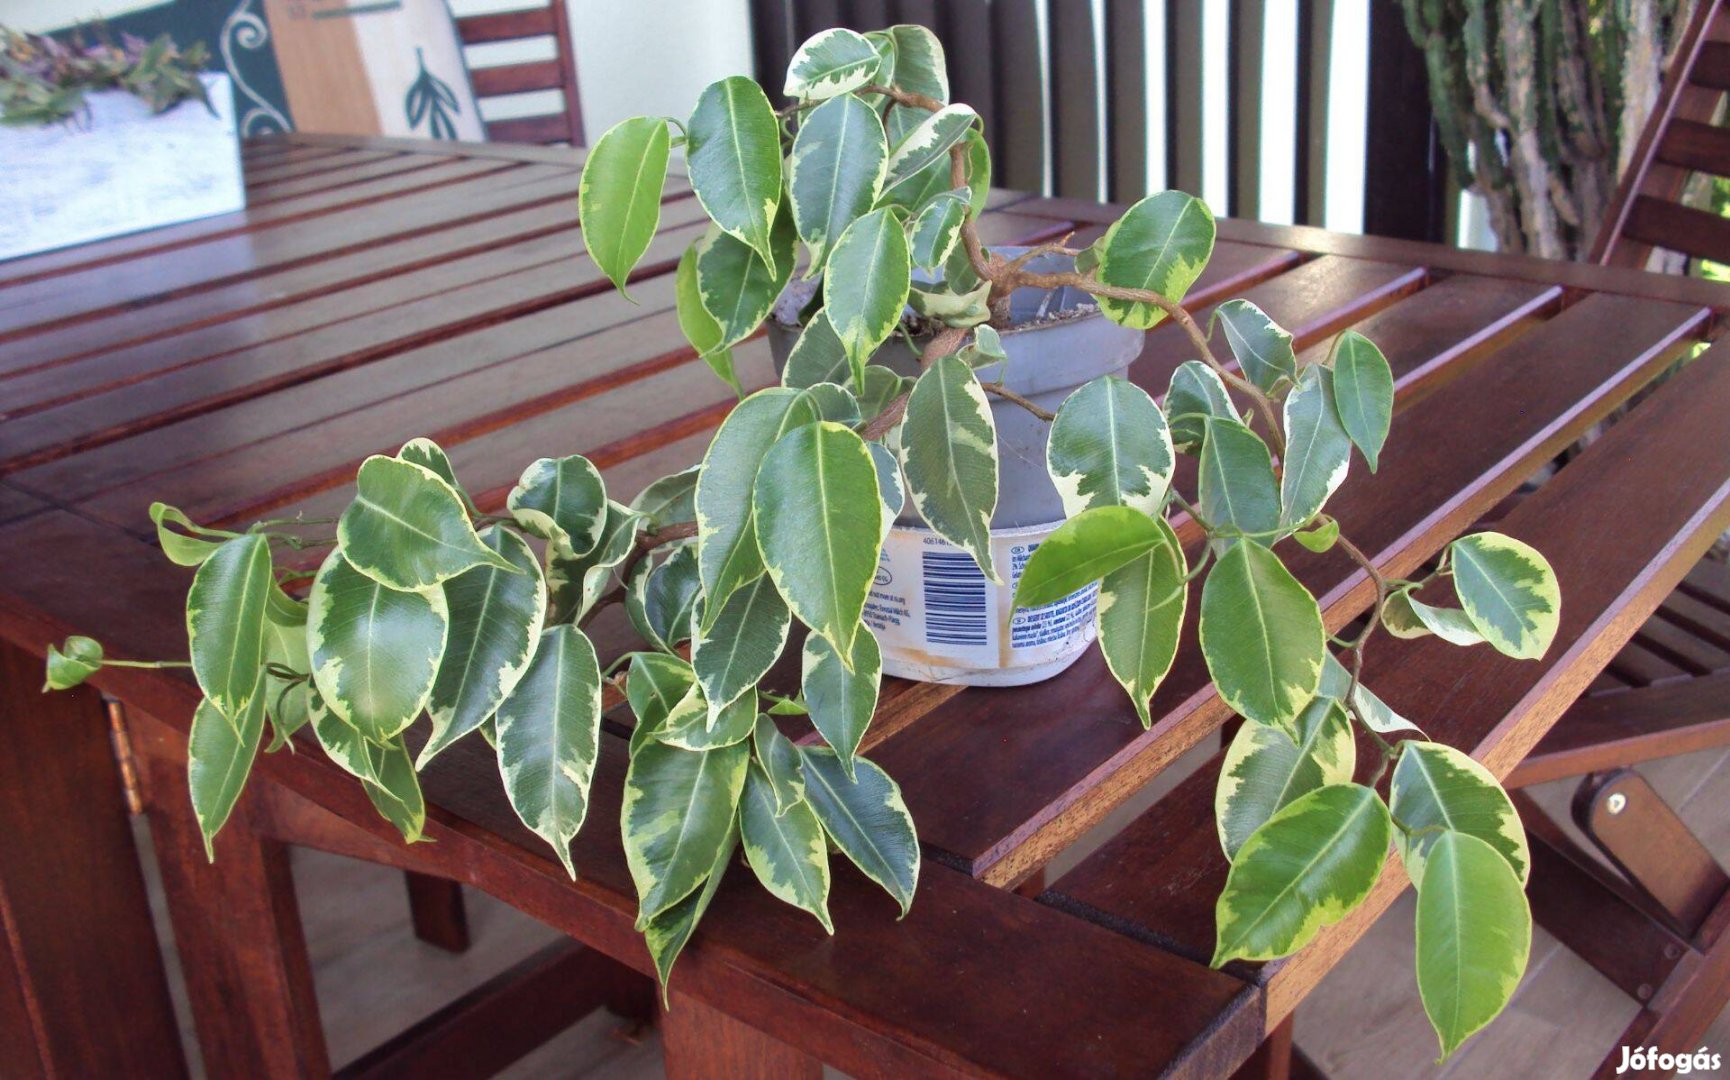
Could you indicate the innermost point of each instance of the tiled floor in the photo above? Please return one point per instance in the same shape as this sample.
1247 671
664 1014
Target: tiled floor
1364 1021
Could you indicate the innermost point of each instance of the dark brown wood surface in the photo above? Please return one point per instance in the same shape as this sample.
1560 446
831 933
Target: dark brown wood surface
244 365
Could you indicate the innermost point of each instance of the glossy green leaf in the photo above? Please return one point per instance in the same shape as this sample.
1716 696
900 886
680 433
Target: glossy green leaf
286 703
726 536
1364 391
1474 935
1265 770
949 457
184 541
1262 635
395 789
739 646
865 283
1235 485
1320 538
985 349
667 933
1437 789
733 156
779 760
407 528
1317 452
549 732
882 386
670 500
842 701
495 625
342 741
1196 393
225 621
562 500
1263 349
1509 592
1307 867
835 172
818 518
1110 446
375 650
692 725
1160 244
818 356
656 685
936 228
785 848
929 143
1405 616
70 663
575 585
698 326
1140 614
677 815
867 819
952 309
829 63
219 755
619 199
834 402
1084 549
890 487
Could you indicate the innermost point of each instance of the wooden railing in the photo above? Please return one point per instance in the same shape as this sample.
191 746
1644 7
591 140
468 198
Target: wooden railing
1041 94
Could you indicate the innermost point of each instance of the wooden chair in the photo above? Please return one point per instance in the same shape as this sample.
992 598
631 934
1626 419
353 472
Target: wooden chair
559 73
1679 140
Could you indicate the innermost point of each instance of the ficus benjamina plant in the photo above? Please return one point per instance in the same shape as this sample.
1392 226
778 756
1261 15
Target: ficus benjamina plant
425 606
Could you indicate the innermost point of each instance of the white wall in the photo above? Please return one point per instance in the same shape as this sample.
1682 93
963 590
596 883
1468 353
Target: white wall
37 16
653 57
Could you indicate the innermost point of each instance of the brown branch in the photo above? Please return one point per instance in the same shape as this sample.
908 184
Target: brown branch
1007 394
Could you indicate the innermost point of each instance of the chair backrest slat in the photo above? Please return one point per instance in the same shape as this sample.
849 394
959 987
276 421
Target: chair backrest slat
1661 223
1126 99
1075 93
559 73
1021 109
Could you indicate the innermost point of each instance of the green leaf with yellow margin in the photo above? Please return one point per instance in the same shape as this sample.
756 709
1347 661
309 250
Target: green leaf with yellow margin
1474 935
733 157
830 62
619 198
866 818
562 500
1084 549
1509 592
1364 391
842 701
835 172
407 528
219 756
375 650
698 326
1265 770
1261 635
949 457
785 848
1140 614
1110 446
735 650
1159 245
225 621
1435 789
677 815
865 283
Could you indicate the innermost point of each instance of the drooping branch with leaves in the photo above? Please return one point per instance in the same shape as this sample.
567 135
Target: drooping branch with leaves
425 606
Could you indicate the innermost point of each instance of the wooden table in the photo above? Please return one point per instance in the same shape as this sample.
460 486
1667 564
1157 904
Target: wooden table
376 290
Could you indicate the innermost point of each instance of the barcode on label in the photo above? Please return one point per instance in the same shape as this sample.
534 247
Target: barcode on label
955 612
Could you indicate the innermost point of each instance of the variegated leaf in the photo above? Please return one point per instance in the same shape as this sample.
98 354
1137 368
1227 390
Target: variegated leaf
1265 770
667 933
430 455
408 528
1364 390
1263 349
727 552
834 402
619 198
1437 789
219 755
733 157
225 621
1160 245
1509 592
562 500
394 789
1235 485
692 725
576 584
842 701
736 286
549 732
928 143
1261 634
779 760
866 818
1140 614
677 816
785 848
835 171
1336 683
865 284
375 650
818 518
698 326
1196 393
919 66
1405 616
1109 446
495 624
656 685
936 228
669 500
949 457
285 646
829 63
889 484
1307 867
739 646
818 356
663 597
1084 549
1318 450
1474 935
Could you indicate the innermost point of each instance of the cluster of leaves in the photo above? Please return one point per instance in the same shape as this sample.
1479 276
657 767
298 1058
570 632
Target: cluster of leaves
44 80
425 605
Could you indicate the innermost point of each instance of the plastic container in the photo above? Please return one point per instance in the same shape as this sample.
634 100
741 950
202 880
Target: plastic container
937 618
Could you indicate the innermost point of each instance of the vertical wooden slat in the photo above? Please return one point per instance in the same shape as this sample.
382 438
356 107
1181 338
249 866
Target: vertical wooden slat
1183 49
1248 30
1126 97
810 16
863 15
922 12
772 40
1403 177
1315 56
1075 145
568 69
965 27
1020 97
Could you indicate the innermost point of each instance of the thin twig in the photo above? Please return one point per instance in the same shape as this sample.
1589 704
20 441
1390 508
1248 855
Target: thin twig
1007 394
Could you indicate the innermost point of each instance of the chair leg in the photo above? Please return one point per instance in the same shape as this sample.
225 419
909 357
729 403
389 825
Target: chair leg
436 906
236 926
1272 1060
705 1042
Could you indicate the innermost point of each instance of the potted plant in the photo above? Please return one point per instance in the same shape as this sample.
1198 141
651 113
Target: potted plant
95 142
424 604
